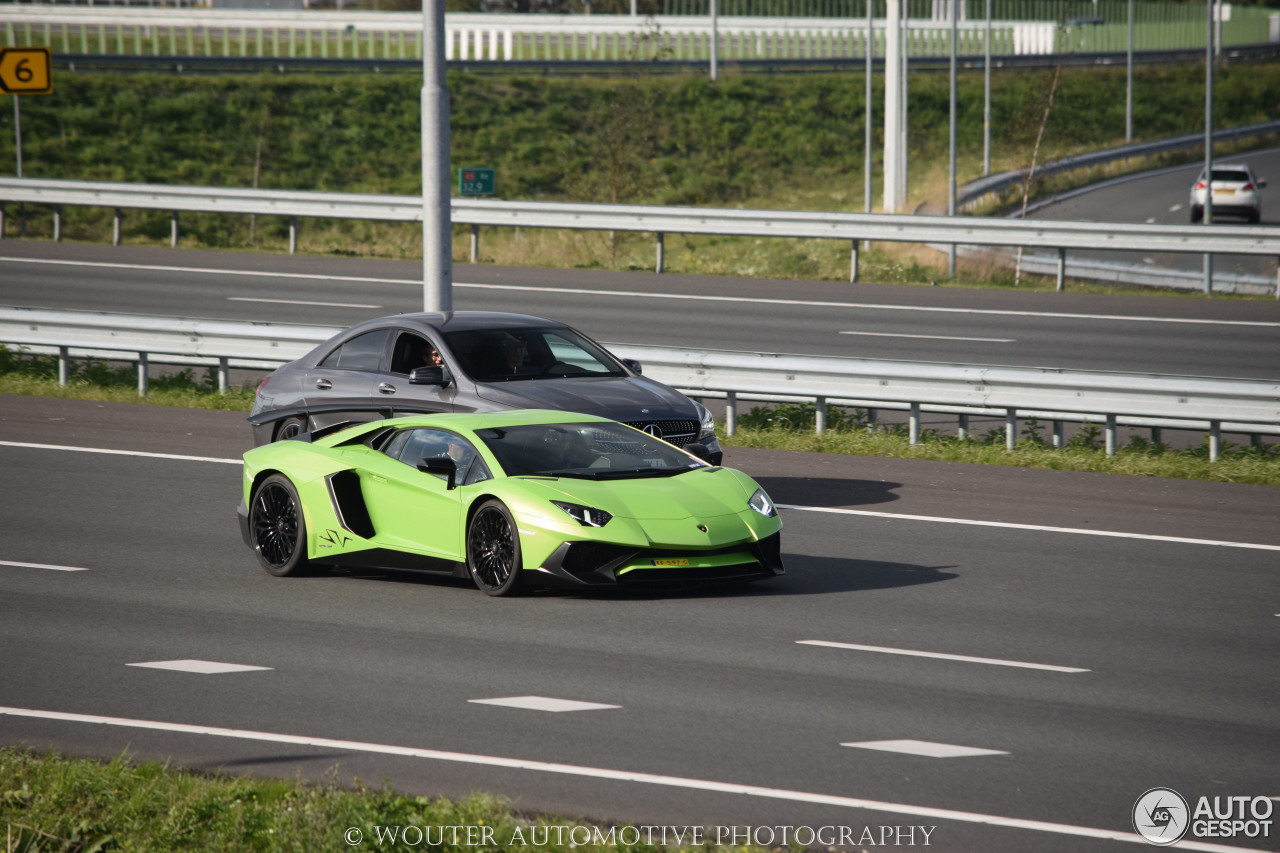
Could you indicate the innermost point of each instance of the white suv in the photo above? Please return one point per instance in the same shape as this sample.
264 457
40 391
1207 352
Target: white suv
1235 193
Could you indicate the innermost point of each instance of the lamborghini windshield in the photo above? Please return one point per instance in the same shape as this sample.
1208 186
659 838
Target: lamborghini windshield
593 451
497 355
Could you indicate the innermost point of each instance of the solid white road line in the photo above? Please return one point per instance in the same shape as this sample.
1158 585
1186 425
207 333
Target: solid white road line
901 516
939 655
301 302
1182 540
640 294
933 337
121 452
616 776
42 566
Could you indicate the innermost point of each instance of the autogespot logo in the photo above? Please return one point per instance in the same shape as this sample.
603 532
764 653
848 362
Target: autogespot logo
1160 816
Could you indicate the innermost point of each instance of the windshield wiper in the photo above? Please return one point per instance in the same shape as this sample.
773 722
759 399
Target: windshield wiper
637 473
552 475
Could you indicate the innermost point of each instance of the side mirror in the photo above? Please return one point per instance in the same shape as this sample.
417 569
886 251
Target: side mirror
632 364
440 464
1261 182
436 374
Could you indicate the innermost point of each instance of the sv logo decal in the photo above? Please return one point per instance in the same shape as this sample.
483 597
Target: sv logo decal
333 537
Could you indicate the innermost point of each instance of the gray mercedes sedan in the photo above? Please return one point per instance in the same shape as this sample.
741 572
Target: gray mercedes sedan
470 361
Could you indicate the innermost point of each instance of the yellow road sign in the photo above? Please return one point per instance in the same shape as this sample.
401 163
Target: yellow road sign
26 71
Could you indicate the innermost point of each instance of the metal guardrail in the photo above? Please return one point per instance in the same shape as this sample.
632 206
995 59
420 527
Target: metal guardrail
850 227
1113 399
991 187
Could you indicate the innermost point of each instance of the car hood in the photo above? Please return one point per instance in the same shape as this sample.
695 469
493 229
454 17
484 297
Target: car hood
698 494
630 398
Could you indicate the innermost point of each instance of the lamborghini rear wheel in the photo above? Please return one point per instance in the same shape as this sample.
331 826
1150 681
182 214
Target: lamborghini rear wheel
493 550
278 528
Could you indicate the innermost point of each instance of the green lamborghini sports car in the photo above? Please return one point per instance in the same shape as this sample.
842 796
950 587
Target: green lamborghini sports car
509 499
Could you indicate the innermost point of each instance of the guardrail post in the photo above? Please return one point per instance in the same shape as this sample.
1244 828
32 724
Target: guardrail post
853 264
1215 440
173 229
64 366
1010 429
2 237
913 424
962 429
1111 435
1062 269
142 374
1155 435
475 243
1058 443
730 413
1277 270
224 374
820 416
293 235
660 246
57 224
871 420
116 222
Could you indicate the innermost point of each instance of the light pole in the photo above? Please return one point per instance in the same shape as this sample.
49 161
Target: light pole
1208 142
437 225
951 184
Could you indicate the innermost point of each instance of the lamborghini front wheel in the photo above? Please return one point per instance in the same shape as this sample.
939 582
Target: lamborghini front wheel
493 550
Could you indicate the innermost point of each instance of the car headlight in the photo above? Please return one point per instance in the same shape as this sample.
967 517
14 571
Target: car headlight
707 427
585 515
760 503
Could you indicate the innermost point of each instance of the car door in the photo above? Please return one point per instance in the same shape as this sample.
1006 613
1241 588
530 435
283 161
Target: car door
340 387
392 389
410 509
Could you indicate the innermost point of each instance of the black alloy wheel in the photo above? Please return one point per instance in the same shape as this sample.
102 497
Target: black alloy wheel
493 550
277 526
291 428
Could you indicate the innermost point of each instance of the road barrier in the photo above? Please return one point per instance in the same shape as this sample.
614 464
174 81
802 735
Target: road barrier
853 228
1244 406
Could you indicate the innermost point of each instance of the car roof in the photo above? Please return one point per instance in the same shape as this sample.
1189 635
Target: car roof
460 421
459 321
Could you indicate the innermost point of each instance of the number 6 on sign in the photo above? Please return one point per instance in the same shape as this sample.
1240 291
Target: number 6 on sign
26 71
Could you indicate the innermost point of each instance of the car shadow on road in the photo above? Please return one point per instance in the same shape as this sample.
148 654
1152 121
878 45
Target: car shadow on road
828 491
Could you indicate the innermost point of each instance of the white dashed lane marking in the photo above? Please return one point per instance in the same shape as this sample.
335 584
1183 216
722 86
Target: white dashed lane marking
543 703
925 748
203 667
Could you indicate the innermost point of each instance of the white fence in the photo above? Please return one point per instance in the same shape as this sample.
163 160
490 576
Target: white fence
251 32
850 227
1112 399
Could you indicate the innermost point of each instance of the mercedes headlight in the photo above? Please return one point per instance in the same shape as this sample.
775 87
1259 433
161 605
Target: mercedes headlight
707 427
760 503
585 515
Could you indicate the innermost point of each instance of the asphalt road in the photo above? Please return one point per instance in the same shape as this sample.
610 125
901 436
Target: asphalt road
1163 197
1142 334
1164 594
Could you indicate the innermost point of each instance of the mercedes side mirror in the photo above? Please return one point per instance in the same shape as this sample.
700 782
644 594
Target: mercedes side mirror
436 374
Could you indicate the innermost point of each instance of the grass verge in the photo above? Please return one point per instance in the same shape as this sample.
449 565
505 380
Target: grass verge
784 427
49 802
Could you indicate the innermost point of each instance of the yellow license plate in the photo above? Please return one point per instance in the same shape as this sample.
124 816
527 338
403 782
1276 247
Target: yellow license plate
678 561
1225 192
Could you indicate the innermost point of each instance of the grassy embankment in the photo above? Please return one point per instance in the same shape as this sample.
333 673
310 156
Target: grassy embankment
772 142
53 804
